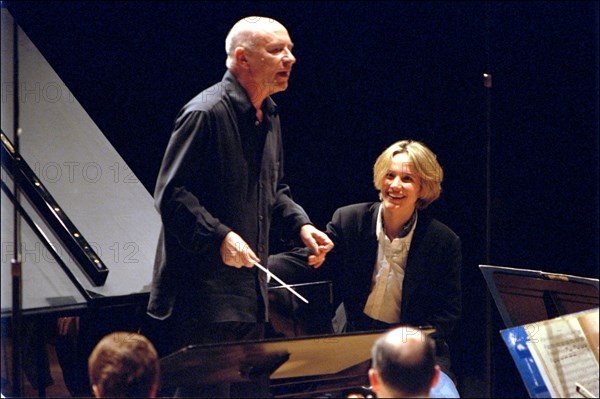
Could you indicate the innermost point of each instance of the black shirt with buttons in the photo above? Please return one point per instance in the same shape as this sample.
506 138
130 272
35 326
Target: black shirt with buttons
222 171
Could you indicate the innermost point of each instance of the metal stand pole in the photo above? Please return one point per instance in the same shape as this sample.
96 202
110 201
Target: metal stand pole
489 370
16 266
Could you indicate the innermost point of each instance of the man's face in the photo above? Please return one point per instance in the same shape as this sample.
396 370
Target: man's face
270 61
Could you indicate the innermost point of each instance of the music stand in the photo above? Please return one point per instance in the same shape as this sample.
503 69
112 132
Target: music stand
293 318
527 296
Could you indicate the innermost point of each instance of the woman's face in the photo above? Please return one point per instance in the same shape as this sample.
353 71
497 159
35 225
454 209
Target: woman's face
401 186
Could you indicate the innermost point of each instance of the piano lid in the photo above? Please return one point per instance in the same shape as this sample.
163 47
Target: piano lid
278 358
85 175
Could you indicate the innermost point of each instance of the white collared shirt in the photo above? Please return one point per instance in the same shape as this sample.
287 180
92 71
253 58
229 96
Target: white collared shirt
385 300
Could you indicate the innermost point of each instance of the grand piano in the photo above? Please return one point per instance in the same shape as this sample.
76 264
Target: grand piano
87 227
88 230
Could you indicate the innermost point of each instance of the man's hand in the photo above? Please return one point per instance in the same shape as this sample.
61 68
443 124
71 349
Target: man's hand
317 242
63 324
236 252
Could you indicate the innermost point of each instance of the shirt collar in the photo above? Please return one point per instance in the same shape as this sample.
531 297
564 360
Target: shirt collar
240 98
405 230
379 226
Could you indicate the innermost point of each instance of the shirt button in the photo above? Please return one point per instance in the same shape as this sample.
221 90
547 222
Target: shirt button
260 217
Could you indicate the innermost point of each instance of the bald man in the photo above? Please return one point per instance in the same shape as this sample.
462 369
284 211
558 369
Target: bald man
219 187
403 364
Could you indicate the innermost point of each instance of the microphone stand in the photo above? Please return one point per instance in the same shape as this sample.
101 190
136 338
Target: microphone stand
487 84
489 370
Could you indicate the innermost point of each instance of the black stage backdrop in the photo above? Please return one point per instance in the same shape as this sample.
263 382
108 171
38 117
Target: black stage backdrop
368 74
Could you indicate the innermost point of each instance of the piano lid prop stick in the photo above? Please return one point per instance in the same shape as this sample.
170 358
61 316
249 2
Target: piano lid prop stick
284 285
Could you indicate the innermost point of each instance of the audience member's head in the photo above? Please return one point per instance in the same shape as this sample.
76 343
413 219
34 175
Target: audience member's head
403 364
124 364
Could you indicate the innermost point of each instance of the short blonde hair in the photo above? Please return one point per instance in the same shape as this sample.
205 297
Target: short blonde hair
424 163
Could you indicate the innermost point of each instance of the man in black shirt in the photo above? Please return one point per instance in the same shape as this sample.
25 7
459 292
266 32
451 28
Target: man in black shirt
219 187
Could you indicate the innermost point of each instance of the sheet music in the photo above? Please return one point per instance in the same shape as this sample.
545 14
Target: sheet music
564 352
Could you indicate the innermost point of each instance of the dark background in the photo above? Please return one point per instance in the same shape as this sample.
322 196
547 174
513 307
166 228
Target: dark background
369 74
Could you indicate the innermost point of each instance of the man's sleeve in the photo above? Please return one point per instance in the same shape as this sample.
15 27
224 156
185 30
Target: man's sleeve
182 171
